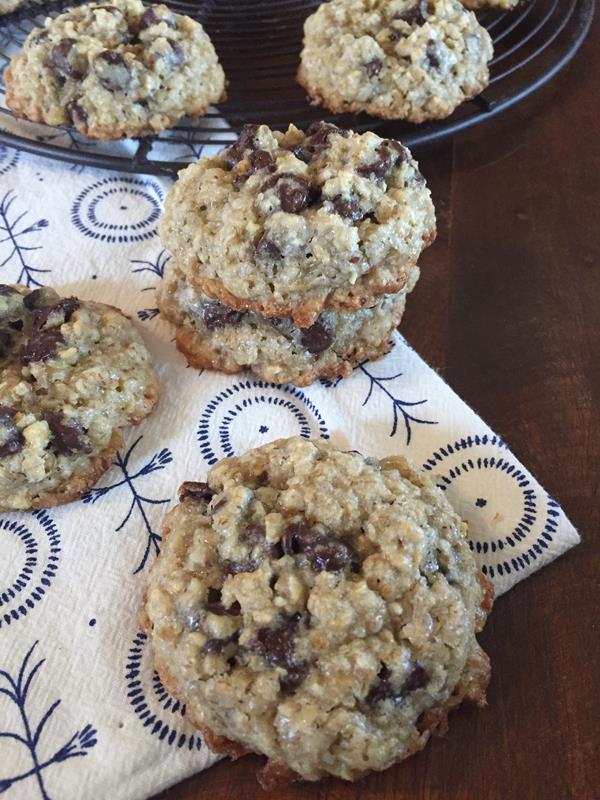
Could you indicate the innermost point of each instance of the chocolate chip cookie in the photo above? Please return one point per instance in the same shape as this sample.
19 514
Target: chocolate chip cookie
396 59
72 374
287 224
115 70
213 336
317 607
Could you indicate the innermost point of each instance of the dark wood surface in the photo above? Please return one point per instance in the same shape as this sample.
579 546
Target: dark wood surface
508 310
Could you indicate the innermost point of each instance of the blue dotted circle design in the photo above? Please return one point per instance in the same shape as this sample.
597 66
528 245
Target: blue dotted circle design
118 210
9 159
36 568
528 536
150 700
229 407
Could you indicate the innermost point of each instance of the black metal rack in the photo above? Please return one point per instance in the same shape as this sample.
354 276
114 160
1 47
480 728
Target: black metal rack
259 42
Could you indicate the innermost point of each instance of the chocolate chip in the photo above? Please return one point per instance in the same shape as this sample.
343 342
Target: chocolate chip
296 673
56 314
373 67
318 338
380 167
266 248
276 646
67 436
255 533
16 324
40 298
11 438
41 345
60 63
390 153
261 159
6 290
235 567
218 646
215 606
417 679
349 208
150 18
174 56
301 153
415 14
77 113
384 689
216 315
394 35
112 70
293 192
197 491
324 553
433 55
318 133
244 142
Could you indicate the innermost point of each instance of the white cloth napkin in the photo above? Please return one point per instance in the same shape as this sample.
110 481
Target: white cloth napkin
82 713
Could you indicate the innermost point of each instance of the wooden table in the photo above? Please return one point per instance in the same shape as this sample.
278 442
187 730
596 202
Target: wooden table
508 310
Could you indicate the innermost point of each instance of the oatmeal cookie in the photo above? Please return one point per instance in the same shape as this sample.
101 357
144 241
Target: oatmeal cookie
286 224
317 607
72 374
396 59
213 336
6 6
503 5
115 70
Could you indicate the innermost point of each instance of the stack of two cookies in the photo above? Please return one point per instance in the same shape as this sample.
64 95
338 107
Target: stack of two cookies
293 252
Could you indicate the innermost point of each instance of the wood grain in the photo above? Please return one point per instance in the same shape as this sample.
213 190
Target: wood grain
508 310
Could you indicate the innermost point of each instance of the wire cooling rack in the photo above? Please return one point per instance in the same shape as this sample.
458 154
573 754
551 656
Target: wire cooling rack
258 42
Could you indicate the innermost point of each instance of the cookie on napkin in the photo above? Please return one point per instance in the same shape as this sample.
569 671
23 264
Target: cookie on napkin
72 374
317 607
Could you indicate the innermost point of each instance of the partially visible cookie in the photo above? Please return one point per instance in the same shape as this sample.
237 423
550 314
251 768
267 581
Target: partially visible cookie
504 5
396 59
72 374
287 224
317 607
6 6
213 336
115 70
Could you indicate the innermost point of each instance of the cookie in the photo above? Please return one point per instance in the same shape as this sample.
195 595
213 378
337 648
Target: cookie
213 336
287 224
317 607
72 374
6 6
115 70
396 59
504 5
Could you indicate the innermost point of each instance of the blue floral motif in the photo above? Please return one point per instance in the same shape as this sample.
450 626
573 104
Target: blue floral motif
152 703
34 570
465 461
138 502
155 268
118 210
9 159
246 406
13 230
400 408
16 689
